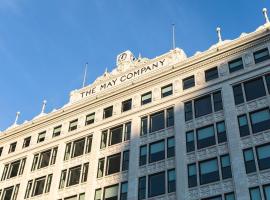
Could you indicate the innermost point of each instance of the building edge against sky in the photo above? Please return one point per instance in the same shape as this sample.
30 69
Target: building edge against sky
171 127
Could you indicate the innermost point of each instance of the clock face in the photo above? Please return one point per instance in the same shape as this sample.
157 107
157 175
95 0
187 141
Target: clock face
122 57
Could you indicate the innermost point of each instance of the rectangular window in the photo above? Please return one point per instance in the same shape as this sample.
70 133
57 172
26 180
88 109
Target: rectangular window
107 112
266 191
127 131
156 184
126 105
63 179
48 183
144 126
101 163
211 74
143 155
22 166
35 162
111 192
249 160
73 125
90 119
229 196
113 164
171 181
14 169
124 191
170 117
219 197
238 94
78 148
125 162
255 193
103 142
57 131
267 78
142 188
67 151
254 89
217 98
28 189
54 154
236 65
221 132
263 156
7 193
74 176
190 142
15 193
44 159
1 151
26 142
192 175
188 82
4 175
243 125
206 137
156 151
260 120
12 147
116 135
41 136
39 186
226 167
85 172
261 55
146 98
98 194
170 147
203 106
209 171
157 121
188 111
89 140
166 90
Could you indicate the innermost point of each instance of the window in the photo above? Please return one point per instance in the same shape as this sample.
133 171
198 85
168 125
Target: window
124 191
127 131
111 192
249 161
125 161
188 82
260 120
41 137
73 125
26 142
205 137
116 135
263 156
1 151
217 101
266 191
78 148
170 147
10 193
90 119
261 55
62 179
14 169
12 147
85 172
236 65
203 106
113 164
101 163
214 198
98 193
48 183
211 74
144 127
103 142
143 155
255 193
157 121
192 175
243 125
267 78
166 90
171 181
39 186
190 142
146 98
188 111
170 117
238 94
254 89
57 131
89 140
157 151
221 132
44 159
126 105
74 176
28 189
142 188
229 196
225 167
208 171
156 184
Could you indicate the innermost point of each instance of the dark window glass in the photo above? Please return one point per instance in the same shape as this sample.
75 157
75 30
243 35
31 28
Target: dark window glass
171 181
26 142
170 147
243 125
229 196
217 101
203 106
166 90
261 55
35 162
116 134
125 161
267 78
254 89
78 147
14 169
73 125
48 183
28 189
266 191
127 131
209 171
113 164
54 154
190 142
192 175
156 184
39 186
157 121
74 175
15 193
260 120
236 65
57 131
238 94
44 159
85 172
157 151
143 155
101 163
211 74
108 112
142 188
41 137
144 126
7 194
225 167
205 137
89 144
5 172
1 151
221 132
12 147
249 160
255 193
111 193
170 117
90 119
63 179
103 142
67 151
146 98
188 82
126 105
263 156
124 191
188 111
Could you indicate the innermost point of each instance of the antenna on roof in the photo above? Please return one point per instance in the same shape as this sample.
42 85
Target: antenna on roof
173 36
219 34
265 15
16 119
43 107
85 73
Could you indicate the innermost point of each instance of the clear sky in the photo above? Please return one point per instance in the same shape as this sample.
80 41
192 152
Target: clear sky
45 44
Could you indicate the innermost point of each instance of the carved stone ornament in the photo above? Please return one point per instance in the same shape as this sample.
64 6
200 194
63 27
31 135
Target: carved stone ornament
248 59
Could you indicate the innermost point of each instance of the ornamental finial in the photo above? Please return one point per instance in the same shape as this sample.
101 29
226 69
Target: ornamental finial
219 34
16 119
265 15
43 107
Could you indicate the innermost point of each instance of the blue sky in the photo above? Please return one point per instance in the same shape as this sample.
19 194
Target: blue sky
44 44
